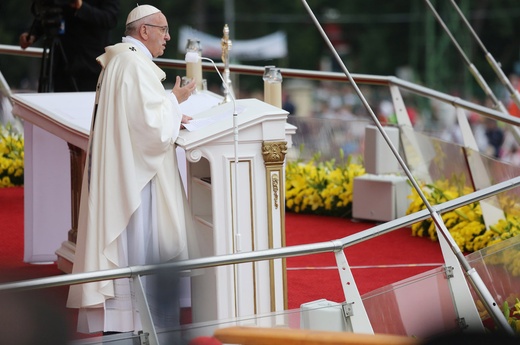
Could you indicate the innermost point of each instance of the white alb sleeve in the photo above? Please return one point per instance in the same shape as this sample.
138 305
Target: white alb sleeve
177 115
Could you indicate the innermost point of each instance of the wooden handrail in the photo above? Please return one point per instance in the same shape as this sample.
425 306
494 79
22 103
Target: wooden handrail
286 336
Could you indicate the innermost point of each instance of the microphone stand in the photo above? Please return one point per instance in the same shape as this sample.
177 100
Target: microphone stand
480 80
238 246
229 95
515 95
491 306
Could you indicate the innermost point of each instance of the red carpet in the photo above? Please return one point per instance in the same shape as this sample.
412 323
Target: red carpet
375 263
12 267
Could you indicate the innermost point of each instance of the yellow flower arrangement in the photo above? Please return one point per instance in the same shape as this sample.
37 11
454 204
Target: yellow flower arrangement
11 157
324 188
513 315
466 223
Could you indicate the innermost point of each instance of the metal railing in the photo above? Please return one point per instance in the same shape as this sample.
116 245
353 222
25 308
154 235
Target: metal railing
230 259
315 75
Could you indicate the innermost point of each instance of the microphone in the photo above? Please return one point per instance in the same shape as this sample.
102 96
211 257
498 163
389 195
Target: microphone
194 57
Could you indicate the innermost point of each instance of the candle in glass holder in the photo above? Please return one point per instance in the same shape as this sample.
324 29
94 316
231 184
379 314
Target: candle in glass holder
194 69
275 87
265 77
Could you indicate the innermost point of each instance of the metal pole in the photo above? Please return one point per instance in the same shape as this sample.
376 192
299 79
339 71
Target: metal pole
469 64
480 80
491 306
515 96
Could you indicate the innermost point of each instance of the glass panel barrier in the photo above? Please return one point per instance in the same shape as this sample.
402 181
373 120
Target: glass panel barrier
431 159
317 315
499 267
500 171
419 306
326 137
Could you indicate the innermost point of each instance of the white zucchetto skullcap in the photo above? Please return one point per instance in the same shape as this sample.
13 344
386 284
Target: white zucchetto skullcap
140 12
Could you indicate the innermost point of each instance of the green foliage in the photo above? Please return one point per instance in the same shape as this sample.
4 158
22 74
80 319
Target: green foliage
380 36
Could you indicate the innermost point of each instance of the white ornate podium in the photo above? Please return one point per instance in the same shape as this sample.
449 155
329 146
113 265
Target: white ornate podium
249 288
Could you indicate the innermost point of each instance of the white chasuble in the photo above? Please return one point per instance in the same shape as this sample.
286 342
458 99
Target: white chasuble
133 209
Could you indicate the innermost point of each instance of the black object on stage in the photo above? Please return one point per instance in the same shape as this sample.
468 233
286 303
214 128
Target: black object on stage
48 16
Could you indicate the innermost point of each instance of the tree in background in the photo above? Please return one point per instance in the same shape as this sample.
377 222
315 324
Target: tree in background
373 36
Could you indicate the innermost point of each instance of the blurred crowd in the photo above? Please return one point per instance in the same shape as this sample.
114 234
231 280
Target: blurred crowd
347 116
343 117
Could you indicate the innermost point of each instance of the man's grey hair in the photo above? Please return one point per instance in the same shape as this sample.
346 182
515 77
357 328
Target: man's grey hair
133 28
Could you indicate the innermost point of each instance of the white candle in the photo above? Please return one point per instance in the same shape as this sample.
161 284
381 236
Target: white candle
266 77
267 92
275 94
194 71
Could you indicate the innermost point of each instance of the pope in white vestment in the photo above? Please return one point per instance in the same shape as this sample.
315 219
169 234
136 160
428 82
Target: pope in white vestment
133 208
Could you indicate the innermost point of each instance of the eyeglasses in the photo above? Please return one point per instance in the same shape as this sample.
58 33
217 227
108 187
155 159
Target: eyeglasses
164 29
